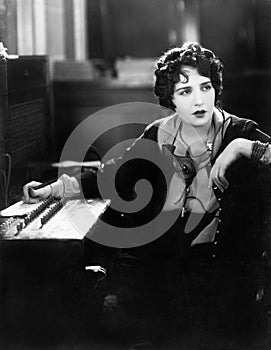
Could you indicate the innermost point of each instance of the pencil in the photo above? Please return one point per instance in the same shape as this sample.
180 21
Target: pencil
46 183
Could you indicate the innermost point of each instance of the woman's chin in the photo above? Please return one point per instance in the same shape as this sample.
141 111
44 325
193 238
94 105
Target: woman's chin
200 122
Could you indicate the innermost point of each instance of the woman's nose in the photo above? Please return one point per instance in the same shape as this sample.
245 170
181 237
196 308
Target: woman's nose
198 100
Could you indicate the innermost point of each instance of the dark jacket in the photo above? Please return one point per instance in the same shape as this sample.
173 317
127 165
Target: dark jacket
242 231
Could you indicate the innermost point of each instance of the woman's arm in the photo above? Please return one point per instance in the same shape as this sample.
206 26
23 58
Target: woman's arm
257 148
87 181
258 135
246 147
65 185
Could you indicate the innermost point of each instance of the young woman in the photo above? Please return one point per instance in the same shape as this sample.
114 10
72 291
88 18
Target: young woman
206 270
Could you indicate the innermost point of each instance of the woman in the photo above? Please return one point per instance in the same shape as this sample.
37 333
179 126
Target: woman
205 271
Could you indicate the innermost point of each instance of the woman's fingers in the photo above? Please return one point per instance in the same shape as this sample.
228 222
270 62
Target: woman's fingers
26 196
221 178
210 183
217 176
41 193
33 196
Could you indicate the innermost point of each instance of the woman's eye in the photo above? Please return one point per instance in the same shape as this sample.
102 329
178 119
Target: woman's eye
207 87
184 92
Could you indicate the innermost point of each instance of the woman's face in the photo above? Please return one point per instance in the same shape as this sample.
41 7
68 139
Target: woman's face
194 98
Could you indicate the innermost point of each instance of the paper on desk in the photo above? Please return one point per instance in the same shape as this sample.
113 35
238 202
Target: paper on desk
19 209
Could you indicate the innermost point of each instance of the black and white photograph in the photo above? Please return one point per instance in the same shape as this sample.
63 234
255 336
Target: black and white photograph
135 174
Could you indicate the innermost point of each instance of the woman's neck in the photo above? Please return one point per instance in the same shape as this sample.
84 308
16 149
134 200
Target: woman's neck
194 133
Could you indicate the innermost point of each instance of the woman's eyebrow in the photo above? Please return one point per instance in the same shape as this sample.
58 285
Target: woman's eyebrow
183 88
189 86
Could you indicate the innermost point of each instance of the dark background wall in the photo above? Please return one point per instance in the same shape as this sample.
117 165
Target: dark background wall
238 30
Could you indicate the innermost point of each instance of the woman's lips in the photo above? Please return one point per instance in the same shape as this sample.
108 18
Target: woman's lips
199 114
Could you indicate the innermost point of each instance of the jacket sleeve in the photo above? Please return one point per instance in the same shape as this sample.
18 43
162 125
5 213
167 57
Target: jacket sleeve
251 131
257 134
126 169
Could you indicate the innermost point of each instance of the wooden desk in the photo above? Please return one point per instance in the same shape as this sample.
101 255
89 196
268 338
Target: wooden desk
46 296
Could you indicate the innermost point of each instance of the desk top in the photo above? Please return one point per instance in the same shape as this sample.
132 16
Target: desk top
72 221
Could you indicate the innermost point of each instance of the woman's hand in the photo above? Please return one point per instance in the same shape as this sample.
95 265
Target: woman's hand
237 148
36 195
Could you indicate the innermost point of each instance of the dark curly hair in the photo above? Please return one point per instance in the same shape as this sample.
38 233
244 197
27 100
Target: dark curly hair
170 64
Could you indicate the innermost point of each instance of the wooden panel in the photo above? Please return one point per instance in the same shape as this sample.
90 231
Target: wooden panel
75 101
